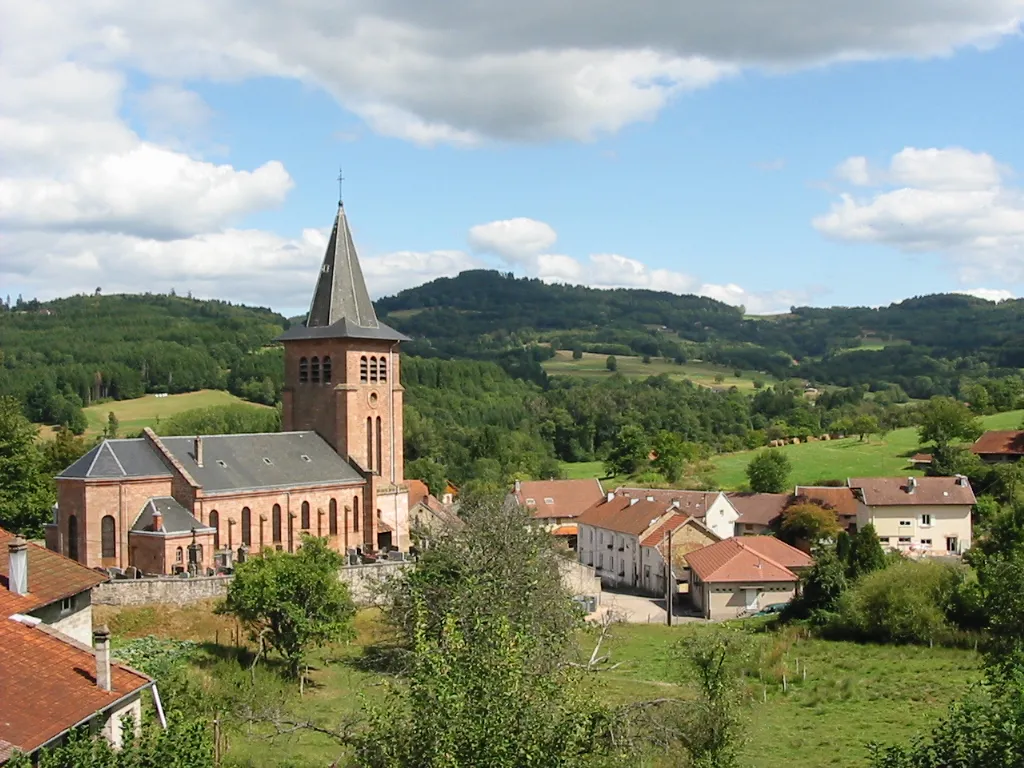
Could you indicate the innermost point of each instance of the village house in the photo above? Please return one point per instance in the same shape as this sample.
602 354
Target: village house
51 684
47 587
759 513
999 445
612 532
743 575
841 499
917 515
336 469
555 504
429 516
712 508
688 534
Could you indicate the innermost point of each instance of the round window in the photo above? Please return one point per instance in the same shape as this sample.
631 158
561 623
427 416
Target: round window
373 399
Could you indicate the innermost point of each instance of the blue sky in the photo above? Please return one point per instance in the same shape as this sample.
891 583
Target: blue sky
815 161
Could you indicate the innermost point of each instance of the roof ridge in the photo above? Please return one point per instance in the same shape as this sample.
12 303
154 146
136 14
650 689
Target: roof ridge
99 450
119 464
763 556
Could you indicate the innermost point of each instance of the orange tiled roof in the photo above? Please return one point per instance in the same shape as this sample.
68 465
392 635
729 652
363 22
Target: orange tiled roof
896 491
51 577
748 559
694 503
570 529
418 491
658 538
623 515
48 684
1002 442
841 499
558 498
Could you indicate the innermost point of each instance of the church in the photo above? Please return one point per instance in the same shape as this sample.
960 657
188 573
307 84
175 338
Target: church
335 469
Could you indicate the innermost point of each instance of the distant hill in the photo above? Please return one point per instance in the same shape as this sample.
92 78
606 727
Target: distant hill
920 344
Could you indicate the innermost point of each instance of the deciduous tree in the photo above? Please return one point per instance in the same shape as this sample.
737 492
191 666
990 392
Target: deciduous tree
26 493
809 522
768 471
943 420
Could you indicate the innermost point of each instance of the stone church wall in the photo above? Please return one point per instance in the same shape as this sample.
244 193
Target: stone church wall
362 580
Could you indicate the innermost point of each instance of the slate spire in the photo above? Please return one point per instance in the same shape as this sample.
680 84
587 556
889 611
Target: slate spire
340 289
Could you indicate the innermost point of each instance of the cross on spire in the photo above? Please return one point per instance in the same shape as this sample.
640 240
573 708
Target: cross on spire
341 179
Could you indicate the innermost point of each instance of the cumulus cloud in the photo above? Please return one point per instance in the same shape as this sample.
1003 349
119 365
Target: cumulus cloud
990 294
951 202
516 240
467 70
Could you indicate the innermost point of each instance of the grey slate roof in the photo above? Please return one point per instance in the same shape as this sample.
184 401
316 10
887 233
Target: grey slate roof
118 458
270 460
341 306
176 519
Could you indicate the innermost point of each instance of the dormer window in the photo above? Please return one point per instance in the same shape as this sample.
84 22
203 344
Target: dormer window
303 370
549 500
531 502
315 366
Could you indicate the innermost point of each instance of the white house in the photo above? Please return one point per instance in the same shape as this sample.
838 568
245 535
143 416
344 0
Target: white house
917 515
611 532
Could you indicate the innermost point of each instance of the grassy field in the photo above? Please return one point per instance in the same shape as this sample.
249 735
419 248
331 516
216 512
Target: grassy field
851 693
821 460
146 411
593 366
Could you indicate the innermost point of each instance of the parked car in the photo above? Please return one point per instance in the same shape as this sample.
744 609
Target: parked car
771 610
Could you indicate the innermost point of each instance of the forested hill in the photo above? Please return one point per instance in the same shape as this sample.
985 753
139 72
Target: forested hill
63 354
483 313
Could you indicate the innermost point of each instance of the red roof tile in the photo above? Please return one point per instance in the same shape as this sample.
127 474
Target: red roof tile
48 684
624 514
418 491
751 559
1001 442
694 503
51 577
758 508
896 491
558 498
570 529
841 499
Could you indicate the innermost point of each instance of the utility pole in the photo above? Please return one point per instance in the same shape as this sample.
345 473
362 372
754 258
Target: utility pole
670 582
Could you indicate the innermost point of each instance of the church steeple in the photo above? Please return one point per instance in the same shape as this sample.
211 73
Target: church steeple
341 306
340 290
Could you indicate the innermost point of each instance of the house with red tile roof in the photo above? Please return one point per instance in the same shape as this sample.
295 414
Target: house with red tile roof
917 515
611 532
51 684
999 445
743 575
656 549
429 516
47 586
841 499
555 504
758 512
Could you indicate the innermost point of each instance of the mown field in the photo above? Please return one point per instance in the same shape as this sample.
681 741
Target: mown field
821 460
839 695
146 411
593 366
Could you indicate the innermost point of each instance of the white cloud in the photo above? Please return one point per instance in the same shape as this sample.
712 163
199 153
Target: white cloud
990 294
171 111
467 70
951 202
517 240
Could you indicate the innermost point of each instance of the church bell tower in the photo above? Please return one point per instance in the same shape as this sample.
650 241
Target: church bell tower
342 368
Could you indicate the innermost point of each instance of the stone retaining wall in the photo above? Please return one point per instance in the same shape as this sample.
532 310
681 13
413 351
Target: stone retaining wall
363 581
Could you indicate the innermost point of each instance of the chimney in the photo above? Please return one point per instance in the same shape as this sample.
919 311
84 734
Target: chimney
519 486
17 550
158 520
961 480
675 503
198 451
633 501
610 497
650 498
101 639
911 484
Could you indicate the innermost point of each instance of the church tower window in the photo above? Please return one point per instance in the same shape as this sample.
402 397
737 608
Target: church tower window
383 369
369 443
315 368
380 442
363 376
373 369
327 369
303 370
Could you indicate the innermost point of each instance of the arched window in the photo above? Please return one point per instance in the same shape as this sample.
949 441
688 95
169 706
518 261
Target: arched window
215 524
303 370
327 369
275 524
72 537
380 449
291 531
363 376
373 369
355 514
332 518
305 515
369 444
179 555
315 365
383 369
246 526
108 537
